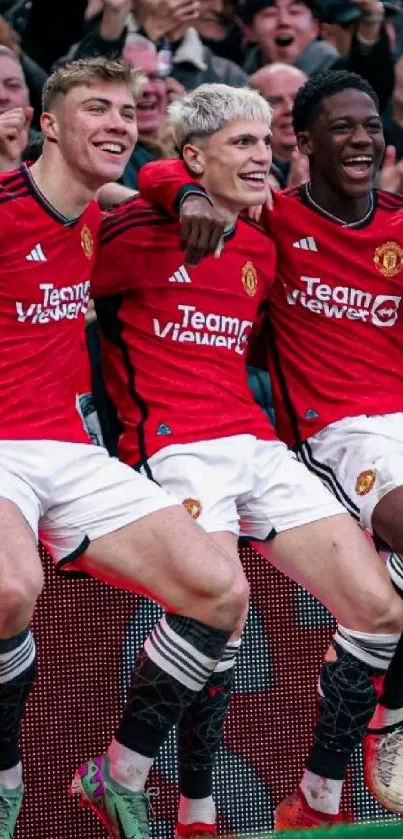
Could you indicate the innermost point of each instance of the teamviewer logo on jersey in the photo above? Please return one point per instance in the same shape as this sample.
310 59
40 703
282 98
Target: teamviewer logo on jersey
385 310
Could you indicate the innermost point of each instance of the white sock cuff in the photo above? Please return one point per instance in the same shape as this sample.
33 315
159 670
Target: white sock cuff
13 663
374 650
229 656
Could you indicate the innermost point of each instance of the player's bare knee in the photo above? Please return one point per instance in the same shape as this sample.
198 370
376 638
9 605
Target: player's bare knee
230 607
382 612
18 596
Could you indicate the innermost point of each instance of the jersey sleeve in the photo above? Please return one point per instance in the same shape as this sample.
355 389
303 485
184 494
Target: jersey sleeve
166 183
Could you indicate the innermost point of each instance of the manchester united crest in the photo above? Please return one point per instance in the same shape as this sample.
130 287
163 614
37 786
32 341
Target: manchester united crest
365 482
388 258
249 279
193 507
87 242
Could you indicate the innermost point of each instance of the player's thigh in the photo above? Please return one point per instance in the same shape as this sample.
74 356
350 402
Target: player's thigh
387 518
361 460
170 558
125 529
21 573
321 547
334 560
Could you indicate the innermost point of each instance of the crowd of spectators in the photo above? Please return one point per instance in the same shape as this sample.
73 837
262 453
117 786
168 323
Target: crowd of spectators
272 45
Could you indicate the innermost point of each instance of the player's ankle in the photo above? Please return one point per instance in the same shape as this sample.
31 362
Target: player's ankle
320 793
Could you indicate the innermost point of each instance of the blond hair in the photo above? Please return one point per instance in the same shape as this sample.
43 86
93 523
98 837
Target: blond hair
89 71
210 107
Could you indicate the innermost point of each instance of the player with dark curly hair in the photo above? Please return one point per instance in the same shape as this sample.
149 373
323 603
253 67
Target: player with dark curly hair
336 362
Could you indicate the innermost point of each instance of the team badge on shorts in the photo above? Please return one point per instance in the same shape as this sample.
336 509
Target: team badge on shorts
193 507
87 242
249 279
365 482
388 259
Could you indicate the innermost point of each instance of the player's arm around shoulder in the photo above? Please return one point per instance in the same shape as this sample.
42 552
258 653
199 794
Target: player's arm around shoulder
168 184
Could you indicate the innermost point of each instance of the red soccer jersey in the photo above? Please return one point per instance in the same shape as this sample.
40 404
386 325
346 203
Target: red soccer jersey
174 336
46 262
335 313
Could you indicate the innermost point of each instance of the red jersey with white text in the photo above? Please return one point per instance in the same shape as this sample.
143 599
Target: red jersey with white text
46 262
174 336
335 313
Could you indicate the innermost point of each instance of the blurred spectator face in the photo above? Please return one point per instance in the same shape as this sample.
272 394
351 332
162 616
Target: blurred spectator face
215 18
151 107
279 84
234 164
283 30
95 128
13 89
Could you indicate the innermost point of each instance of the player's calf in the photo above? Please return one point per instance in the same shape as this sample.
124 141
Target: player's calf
347 699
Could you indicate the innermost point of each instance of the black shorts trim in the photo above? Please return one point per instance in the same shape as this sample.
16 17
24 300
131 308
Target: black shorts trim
244 541
74 555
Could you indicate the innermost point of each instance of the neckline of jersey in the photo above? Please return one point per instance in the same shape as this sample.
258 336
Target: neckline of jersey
362 222
43 201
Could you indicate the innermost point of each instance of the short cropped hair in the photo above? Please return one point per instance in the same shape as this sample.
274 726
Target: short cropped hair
310 96
89 71
210 107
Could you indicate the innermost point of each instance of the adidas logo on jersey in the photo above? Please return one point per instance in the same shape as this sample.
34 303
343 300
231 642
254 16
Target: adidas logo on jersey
307 244
180 276
36 255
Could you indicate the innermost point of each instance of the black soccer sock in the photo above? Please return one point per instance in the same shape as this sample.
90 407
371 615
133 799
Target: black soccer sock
347 699
176 661
17 674
392 691
201 728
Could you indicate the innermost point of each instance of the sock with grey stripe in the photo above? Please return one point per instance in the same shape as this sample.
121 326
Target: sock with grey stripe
176 661
17 673
347 698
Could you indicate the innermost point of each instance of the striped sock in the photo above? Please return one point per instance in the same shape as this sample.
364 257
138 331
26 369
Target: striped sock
17 672
176 661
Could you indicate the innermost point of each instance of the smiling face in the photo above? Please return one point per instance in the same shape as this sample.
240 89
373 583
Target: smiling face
283 30
233 164
151 107
345 143
279 85
95 129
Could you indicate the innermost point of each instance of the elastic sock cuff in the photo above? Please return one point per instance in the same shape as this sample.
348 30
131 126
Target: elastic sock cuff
328 764
208 640
196 783
7 645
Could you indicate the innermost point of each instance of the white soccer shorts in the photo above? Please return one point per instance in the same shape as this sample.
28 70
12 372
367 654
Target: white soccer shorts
360 459
73 493
242 485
